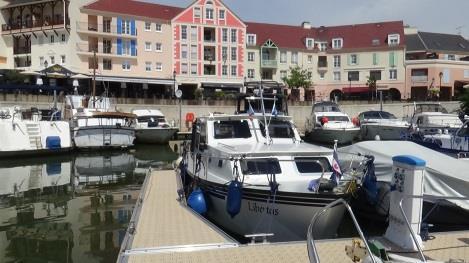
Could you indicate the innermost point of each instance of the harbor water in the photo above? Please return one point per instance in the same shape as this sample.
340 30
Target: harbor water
72 207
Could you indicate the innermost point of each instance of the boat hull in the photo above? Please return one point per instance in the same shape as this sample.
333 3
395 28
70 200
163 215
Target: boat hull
286 215
94 137
385 132
155 135
343 135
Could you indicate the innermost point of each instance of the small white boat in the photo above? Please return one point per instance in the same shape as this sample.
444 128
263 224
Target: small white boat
152 127
27 132
382 124
457 142
99 128
430 118
328 123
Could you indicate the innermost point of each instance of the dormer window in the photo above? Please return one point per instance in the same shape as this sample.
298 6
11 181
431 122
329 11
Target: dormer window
209 13
309 43
221 14
252 39
375 42
393 39
337 43
197 12
322 46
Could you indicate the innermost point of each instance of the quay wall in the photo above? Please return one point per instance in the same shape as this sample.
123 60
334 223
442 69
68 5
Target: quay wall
171 108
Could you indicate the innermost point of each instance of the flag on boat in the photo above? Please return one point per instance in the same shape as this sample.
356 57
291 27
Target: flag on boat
251 110
274 110
336 170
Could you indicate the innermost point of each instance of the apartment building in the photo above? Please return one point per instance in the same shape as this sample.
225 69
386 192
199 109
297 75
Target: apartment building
340 59
437 65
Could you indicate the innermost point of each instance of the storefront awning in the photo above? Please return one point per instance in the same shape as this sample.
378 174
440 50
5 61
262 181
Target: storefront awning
215 85
135 80
355 89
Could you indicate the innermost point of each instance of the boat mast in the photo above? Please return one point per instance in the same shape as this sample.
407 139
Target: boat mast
94 78
266 126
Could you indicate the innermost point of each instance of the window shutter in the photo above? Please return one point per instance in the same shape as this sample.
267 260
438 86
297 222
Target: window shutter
391 59
119 46
133 31
375 59
133 48
349 60
119 25
395 58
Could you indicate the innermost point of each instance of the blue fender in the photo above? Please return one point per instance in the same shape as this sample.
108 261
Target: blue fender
234 198
196 201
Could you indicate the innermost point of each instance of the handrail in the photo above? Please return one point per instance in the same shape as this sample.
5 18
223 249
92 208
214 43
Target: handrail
312 251
427 197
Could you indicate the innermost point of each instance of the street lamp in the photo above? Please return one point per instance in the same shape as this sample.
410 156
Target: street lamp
441 76
174 83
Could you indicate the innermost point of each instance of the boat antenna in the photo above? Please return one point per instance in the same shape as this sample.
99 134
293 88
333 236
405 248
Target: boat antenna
266 126
94 77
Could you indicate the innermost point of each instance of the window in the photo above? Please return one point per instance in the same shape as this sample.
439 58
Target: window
251 56
147 46
125 27
126 47
393 39
222 14
184 51
337 43
107 64
353 75
107 46
126 65
184 32
259 166
375 59
224 34
310 43
312 165
209 13
336 76
224 53
322 46
466 73
52 60
310 59
193 52
450 57
52 38
337 61
234 71
321 75
41 61
376 74
252 39
147 26
294 57
283 74
224 70
158 47
393 74
197 12
63 39
277 129
194 69
283 57
231 130
183 68
193 33
158 27
251 73
62 60
147 66
233 35
353 59
159 66
234 53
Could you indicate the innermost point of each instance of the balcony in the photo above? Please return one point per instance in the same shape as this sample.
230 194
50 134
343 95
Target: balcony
22 50
419 78
31 25
103 51
269 63
101 29
22 62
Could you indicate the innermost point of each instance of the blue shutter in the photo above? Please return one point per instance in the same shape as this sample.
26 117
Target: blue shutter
119 46
133 32
133 48
119 25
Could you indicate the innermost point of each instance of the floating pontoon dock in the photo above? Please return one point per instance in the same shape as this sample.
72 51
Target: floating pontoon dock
163 229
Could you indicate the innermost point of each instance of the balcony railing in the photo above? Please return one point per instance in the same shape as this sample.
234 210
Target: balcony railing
322 64
22 50
99 28
269 63
29 24
22 62
419 78
103 50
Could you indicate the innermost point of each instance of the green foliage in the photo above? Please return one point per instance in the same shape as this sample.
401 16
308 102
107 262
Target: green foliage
198 93
297 78
13 77
465 102
219 95
371 82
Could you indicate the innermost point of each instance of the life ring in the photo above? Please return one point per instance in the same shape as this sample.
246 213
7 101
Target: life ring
190 117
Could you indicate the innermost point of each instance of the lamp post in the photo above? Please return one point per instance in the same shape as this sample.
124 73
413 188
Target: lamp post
174 83
441 76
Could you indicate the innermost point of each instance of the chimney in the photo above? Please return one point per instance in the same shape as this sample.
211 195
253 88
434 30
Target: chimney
306 25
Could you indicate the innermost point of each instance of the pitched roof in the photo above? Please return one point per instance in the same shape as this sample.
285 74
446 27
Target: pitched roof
354 36
136 8
437 42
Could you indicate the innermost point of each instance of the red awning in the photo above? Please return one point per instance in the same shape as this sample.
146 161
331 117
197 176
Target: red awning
355 89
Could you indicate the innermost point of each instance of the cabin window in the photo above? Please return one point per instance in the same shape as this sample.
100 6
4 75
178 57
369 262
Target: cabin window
334 118
231 129
151 119
261 166
312 165
278 129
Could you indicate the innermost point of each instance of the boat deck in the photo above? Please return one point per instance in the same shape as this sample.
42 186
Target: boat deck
165 230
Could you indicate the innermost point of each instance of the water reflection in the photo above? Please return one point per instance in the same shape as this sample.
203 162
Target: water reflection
72 208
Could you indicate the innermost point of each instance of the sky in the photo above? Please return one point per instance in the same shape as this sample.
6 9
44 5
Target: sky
440 16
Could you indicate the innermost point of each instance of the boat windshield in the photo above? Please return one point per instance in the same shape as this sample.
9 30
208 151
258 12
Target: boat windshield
312 165
430 108
334 118
378 115
231 129
151 119
261 166
326 107
278 129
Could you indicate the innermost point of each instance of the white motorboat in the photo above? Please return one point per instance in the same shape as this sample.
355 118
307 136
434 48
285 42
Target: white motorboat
430 118
456 143
97 127
328 123
152 127
262 156
382 124
27 132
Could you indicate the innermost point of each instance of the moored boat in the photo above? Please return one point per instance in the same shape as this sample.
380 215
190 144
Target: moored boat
152 127
382 124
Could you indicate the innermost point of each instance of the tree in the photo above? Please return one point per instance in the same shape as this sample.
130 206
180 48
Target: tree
465 102
298 78
371 83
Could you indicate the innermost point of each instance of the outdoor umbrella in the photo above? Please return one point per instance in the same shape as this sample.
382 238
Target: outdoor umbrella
30 73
